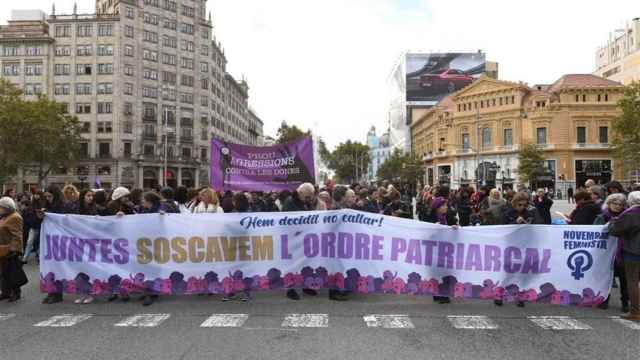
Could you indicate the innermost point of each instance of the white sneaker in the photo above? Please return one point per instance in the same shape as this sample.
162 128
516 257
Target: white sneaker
80 300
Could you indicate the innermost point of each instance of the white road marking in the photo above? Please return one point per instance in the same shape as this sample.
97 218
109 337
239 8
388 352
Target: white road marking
558 323
626 323
472 322
389 321
6 316
225 320
306 320
143 320
65 320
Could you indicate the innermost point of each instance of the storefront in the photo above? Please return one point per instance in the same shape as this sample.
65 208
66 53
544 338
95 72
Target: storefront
444 175
598 170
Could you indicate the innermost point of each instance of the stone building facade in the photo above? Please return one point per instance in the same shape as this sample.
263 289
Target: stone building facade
138 74
473 136
619 58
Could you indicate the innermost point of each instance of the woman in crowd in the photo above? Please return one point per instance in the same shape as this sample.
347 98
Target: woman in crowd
135 197
241 203
70 199
53 204
613 207
492 208
120 204
627 227
12 276
168 203
438 215
151 204
100 199
11 193
543 205
87 203
182 197
586 210
32 225
208 202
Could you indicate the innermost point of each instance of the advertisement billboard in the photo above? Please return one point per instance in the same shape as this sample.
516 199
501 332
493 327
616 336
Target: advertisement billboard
431 77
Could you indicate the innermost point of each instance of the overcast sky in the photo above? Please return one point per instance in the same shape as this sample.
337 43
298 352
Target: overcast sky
324 64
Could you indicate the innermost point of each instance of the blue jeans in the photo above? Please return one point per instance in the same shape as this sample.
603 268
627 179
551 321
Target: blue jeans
33 236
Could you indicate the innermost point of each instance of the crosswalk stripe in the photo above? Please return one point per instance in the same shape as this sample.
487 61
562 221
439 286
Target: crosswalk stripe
143 320
558 323
65 320
388 321
6 316
472 322
306 320
225 320
626 323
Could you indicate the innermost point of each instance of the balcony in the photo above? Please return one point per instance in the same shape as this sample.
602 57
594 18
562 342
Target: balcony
104 156
546 146
465 151
150 118
442 153
507 148
186 122
427 157
149 136
186 139
584 146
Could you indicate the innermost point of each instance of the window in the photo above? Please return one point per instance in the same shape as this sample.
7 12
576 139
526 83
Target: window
128 70
170 5
61 89
105 127
186 132
170 24
84 89
130 13
83 108
33 50
105 69
581 135
186 80
63 50
128 108
584 98
150 74
86 127
149 92
204 152
84 30
105 107
187 11
150 55
128 89
186 98
508 137
104 150
105 88
170 41
148 149
84 150
62 69
204 50
204 100
186 28
204 83
186 63
128 31
150 111
577 97
155 3
32 89
150 19
33 69
128 50
127 149
83 69
486 138
84 50
169 59
186 45
603 135
150 36
186 153
465 142
204 67
127 127
105 50
105 30
606 97
169 94
541 136
168 77
63 30
599 97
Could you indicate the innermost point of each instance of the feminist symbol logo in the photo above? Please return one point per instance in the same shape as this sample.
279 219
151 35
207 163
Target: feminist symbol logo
580 262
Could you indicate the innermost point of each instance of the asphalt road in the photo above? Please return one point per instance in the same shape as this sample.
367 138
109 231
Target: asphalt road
203 327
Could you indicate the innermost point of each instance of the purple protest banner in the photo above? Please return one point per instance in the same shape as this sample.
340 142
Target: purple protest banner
268 168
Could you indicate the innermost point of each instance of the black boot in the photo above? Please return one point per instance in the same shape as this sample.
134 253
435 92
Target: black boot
293 295
625 307
15 295
337 295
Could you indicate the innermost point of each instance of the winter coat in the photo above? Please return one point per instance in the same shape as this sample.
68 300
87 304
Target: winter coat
11 231
627 226
544 208
293 203
585 214
202 208
530 216
492 211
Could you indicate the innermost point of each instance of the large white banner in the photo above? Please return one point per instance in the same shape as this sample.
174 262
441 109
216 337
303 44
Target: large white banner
347 250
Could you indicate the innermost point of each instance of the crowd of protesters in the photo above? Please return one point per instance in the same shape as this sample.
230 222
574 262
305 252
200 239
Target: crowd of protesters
21 218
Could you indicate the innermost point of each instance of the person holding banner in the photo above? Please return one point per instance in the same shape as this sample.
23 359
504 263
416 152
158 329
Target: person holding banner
12 276
53 204
207 202
627 228
438 215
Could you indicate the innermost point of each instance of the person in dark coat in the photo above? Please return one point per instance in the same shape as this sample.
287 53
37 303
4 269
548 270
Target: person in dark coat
438 215
627 227
397 207
53 204
120 204
586 210
570 195
543 205
12 277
